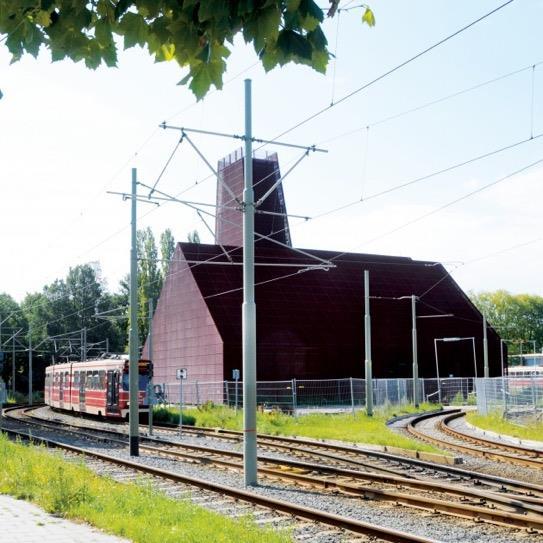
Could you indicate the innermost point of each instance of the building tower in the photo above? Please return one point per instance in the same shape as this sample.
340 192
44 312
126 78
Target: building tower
229 220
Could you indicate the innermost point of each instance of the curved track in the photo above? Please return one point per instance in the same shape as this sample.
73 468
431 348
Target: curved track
477 446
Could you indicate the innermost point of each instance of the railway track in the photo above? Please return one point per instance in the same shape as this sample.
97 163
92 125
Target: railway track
372 460
520 511
476 446
129 470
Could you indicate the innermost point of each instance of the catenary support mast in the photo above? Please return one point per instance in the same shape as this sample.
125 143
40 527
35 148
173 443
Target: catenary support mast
133 339
249 307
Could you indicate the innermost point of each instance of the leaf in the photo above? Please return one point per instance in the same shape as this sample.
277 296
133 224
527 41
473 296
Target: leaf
121 7
201 81
368 17
294 44
102 32
319 61
134 29
43 18
166 52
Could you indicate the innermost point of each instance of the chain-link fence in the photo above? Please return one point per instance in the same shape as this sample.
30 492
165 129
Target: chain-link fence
298 395
513 396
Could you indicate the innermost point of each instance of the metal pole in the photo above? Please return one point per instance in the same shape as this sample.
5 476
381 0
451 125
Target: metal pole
150 356
485 350
249 307
81 342
133 339
85 343
352 394
29 365
501 355
107 345
367 343
294 399
180 407
13 366
474 356
437 371
415 351
236 382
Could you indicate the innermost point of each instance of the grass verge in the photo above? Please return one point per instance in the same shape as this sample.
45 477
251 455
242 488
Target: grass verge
340 426
496 423
133 511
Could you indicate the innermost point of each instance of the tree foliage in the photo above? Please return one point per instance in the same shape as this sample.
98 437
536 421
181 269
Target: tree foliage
167 249
516 317
197 34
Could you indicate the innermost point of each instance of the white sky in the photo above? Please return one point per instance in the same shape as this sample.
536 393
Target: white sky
68 134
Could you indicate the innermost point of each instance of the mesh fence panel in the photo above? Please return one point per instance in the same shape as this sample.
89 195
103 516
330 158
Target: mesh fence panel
513 396
330 394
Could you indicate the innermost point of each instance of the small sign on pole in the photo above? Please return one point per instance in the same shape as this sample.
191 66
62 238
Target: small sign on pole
181 375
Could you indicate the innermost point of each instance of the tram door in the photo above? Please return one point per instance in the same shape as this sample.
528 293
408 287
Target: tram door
112 390
82 379
61 390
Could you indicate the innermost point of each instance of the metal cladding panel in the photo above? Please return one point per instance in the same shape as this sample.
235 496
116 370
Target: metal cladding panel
229 221
310 324
184 333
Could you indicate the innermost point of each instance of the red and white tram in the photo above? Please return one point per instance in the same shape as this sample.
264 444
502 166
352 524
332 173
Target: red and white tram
98 387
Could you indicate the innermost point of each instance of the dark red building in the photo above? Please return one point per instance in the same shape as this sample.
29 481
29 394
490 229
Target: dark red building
310 322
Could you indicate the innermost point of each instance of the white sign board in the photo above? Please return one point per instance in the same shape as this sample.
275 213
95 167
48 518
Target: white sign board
181 374
235 375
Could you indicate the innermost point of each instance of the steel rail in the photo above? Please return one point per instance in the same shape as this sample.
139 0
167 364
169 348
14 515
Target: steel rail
296 442
254 498
470 450
351 487
518 449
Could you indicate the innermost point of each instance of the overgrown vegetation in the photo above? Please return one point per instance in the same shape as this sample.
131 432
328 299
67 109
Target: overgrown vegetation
133 511
343 426
531 429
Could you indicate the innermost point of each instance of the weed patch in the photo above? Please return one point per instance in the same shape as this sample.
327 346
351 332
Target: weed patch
134 511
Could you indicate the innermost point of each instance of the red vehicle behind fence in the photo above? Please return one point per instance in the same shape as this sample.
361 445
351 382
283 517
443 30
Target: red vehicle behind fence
98 387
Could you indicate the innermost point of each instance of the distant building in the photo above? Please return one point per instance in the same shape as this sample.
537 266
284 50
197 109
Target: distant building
310 323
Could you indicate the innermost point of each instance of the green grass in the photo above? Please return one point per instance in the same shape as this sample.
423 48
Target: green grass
132 511
344 426
496 423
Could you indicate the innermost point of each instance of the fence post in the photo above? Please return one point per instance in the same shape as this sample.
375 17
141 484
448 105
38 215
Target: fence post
422 381
197 394
534 400
352 393
293 385
226 395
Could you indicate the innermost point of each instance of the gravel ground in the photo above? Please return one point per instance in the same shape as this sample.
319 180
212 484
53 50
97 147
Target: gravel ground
476 464
438 527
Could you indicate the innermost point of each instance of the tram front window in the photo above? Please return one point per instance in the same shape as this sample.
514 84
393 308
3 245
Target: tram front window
143 381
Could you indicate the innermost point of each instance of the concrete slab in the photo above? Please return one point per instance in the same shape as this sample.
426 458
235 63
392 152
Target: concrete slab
23 522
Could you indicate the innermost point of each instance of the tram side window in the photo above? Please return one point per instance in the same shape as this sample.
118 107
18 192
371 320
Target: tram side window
89 380
95 379
76 379
66 378
102 379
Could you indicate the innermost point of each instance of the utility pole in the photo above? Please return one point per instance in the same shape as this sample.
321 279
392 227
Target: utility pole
150 345
485 350
13 366
133 339
249 307
367 342
29 365
415 351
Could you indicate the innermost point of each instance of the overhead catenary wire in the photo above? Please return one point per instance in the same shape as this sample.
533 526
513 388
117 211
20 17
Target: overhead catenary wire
394 69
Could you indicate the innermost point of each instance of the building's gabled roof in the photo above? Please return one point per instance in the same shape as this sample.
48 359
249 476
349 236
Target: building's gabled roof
324 309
